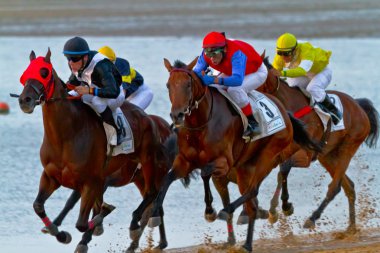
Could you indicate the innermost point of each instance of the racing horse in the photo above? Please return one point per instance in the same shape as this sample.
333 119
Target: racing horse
361 124
74 151
210 135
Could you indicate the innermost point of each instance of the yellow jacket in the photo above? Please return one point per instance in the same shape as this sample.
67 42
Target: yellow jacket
307 60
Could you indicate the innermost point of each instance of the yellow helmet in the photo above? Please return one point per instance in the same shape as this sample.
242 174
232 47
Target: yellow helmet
107 51
286 42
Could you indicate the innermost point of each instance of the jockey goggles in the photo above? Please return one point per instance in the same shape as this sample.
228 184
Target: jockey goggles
212 52
285 53
74 58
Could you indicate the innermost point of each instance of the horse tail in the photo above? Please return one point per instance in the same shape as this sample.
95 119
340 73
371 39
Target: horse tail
373 116
302 137
171 145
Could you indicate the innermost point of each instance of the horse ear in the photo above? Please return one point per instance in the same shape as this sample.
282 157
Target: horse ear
48 54
192 64
32 56
263 55
168 65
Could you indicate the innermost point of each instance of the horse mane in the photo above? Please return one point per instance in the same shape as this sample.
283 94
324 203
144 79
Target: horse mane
179 64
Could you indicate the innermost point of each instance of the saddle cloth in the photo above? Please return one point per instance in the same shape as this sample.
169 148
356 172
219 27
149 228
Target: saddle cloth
324 116
127 144
264 110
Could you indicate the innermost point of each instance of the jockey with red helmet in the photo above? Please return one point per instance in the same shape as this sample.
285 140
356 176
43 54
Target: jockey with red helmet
241 71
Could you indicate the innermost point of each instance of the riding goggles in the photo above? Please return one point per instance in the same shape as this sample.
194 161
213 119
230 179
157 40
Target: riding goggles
74 58
285 53
212 52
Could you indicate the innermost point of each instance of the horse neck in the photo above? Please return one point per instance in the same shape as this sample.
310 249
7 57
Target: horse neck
61 115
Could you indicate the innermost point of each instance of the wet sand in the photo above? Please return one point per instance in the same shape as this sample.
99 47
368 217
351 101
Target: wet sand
365 241
243 18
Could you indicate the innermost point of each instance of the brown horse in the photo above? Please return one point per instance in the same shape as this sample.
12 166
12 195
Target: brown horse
129 173
74 151
361 122
210 134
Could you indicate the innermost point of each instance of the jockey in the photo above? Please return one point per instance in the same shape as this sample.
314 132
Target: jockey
306 66
242 70
135 90
96 78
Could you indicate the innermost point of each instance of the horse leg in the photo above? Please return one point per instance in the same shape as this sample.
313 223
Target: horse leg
134 228
273 214
336 163
221 185
46 188
163 241
287 207
100 211
349 190
155 219
210 213
70 203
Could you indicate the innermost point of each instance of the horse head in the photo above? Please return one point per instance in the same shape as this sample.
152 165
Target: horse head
185 88
38 82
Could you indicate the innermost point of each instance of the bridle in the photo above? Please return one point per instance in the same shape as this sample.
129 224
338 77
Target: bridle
193 103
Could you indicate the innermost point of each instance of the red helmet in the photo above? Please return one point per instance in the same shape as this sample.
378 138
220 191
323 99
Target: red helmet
214 39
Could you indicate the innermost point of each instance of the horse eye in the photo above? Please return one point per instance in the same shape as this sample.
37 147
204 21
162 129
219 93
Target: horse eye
167 85
44 72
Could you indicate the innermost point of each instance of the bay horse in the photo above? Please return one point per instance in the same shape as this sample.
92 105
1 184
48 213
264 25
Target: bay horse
210 134
74 151
361 121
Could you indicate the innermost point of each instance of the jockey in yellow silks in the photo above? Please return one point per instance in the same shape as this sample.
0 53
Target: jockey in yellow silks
307 67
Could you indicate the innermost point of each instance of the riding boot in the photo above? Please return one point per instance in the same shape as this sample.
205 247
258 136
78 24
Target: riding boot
107 117
253 127
327 104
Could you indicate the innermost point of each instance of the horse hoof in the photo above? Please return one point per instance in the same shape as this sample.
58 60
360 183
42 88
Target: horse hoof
161 245
242 219
45 230
98 230
64 237
309 224
211 217
273 218
223 215
81 248
135 234
154 222
107 209
351 230
289 210
262 214
231 240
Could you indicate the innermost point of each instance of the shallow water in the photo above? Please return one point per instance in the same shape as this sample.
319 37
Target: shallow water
355 65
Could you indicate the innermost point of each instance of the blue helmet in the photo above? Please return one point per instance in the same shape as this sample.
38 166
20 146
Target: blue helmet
76 46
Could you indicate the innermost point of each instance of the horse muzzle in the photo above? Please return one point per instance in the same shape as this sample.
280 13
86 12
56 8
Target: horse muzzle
27 104
178 118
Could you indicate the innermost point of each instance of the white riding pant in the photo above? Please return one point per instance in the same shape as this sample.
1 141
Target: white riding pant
251 82
142 97
100 104
315 85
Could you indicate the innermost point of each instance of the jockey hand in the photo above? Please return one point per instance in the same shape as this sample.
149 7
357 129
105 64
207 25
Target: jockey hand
82 90
207 80
275 72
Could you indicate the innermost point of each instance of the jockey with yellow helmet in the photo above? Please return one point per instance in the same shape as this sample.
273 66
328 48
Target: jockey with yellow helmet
241 67
306 66
135 90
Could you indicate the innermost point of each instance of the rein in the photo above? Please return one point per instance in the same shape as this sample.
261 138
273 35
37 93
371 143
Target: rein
194 104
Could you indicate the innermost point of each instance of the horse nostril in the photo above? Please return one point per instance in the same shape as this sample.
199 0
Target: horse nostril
28 99
181 115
